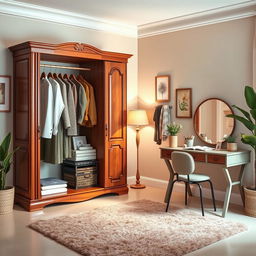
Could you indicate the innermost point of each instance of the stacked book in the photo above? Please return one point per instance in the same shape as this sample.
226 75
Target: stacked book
86 152
51 186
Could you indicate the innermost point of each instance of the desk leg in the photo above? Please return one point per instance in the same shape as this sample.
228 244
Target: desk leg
167 194
228 192
241 188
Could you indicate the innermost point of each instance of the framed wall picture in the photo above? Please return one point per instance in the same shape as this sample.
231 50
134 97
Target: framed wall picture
162 88
184 103
5 93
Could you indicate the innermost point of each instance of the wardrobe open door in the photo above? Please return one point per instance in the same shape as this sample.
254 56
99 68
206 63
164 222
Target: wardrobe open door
26 179
115 124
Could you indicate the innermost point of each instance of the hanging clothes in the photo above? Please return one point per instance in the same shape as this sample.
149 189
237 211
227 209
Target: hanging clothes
165 119
65 113
65 120
82 101
91 112
47 105
52 149
58 104
73 86
72 130
156 118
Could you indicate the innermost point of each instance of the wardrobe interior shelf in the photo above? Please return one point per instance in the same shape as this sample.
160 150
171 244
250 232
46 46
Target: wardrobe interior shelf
75 192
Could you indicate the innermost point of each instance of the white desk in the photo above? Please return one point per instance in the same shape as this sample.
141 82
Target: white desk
225 158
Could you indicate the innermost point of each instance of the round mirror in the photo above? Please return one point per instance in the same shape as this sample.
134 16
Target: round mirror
210 122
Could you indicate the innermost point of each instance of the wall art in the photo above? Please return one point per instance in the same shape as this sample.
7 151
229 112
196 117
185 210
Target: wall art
5 93
184 103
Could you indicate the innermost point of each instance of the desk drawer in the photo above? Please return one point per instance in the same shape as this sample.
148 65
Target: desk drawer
198 157
216 159
166 153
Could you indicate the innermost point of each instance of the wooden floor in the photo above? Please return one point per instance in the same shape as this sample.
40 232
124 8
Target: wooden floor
17 239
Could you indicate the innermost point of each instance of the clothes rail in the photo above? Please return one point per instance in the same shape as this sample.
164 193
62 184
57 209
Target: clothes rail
64 67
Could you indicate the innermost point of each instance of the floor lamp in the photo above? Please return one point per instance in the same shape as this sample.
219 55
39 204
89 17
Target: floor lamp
137 118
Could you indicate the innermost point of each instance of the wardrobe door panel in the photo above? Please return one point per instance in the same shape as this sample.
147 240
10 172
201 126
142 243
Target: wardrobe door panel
25 125
115 104
115 119
21 126
116 163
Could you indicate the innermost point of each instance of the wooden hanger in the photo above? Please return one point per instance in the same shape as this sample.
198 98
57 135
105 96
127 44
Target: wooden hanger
55 75
65 76
43 75
60 76
73 77
49 75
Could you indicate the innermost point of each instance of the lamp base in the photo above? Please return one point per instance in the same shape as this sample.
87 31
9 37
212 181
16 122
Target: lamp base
137 186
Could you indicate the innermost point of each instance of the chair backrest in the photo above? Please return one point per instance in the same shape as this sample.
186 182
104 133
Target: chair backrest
183 163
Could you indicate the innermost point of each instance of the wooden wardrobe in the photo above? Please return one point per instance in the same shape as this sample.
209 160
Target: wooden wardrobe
107 74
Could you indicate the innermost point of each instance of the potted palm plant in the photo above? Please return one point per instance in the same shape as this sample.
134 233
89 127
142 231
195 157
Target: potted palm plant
6 192
248 119
173 130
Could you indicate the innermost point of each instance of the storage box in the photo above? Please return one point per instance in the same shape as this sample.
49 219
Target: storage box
80 177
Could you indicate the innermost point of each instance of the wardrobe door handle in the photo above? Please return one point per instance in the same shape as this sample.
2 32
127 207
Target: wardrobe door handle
106 130
39 130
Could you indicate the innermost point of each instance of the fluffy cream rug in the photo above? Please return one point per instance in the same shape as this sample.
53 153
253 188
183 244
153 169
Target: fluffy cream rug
137 228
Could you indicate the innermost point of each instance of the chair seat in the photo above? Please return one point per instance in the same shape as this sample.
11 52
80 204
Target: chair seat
194 177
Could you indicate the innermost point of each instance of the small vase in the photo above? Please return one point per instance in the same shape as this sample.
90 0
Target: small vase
6 200
173 141
231 146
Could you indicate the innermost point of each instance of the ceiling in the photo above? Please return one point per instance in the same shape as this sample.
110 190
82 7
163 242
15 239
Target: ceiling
134 12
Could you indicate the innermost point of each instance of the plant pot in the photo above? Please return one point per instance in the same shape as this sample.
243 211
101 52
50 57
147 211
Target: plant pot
250 201
173 141
6 200
232 146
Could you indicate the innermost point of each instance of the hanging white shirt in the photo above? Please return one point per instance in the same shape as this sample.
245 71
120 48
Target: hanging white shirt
46 107
58 104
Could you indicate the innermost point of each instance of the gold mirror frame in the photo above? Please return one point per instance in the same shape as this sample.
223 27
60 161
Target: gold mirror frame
196 120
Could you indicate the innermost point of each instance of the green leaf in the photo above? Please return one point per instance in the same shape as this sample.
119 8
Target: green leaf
253 113
249 125
7 162
5 146
245 113
249 139
250 97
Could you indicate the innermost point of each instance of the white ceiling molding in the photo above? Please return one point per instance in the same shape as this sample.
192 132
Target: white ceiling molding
63 17
228 13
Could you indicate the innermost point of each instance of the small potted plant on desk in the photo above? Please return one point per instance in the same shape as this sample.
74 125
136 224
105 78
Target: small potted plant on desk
173 130
6 192
231 143
248 119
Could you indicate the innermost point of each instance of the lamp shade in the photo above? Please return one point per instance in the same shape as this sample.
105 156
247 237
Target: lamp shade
137 117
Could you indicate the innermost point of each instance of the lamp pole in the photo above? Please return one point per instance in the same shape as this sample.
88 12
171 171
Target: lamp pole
138 185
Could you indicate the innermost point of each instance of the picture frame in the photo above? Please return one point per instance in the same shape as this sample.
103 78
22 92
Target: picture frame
184 103
79 141
162 88
5 93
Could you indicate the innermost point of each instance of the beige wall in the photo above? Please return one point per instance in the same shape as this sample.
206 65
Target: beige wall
214 60
15 30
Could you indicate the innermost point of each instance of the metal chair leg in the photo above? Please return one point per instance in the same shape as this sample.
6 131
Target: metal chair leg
213 197
186 193
167 206
201 198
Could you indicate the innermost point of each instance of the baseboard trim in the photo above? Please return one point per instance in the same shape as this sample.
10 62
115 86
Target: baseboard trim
179 187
